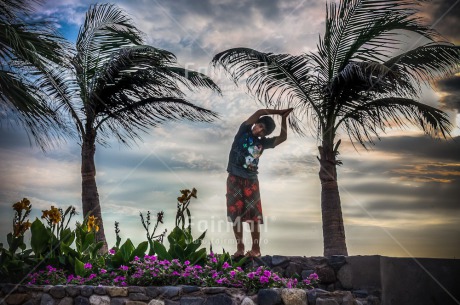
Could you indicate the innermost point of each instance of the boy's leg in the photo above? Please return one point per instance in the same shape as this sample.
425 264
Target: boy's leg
255 234
238 231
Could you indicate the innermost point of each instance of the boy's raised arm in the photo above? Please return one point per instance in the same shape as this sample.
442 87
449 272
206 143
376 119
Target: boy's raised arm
283 134
255 117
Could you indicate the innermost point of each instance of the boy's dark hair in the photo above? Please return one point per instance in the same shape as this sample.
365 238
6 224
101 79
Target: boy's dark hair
269 124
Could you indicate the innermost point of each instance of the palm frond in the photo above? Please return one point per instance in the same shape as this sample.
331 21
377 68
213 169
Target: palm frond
126 123
191 79
106 30
429 62
367 120
276 80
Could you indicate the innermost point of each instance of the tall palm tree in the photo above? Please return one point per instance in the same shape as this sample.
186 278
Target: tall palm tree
29 51
118 87
360 81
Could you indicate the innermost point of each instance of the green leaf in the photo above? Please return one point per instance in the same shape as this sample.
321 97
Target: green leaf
160 250
198 257
40 239
140 250
79 267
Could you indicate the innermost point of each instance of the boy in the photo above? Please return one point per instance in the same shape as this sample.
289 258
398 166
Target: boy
243 196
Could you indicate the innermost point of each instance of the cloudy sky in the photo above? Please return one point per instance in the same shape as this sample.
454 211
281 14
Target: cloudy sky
398 199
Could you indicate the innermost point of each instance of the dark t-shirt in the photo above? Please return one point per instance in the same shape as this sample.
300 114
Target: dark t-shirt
245 152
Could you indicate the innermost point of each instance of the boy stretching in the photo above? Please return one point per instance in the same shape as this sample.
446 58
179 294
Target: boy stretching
243 195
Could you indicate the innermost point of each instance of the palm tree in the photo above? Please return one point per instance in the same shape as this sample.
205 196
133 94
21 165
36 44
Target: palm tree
119 87
360 81
29 51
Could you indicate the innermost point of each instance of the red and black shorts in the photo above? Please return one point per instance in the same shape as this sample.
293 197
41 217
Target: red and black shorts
243 200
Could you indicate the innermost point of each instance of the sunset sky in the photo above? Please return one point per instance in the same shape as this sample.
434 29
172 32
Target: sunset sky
400 198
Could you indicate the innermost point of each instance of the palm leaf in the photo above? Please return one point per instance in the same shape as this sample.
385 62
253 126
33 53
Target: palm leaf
126 122
365 121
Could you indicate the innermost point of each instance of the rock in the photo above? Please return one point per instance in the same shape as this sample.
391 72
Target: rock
213 290
120 301
190 289
337 261
330 287
306 273
170 291
268 297
117 291
320 301
138 297
66 301
191 301
87 291
47 288
326 274
99 300
347 298
267 259
31 302
345 276
99 290
136 289
360 293
293 269
9 288
236 294
294 296
152 291
311 297
373 300
81 301
128 302
46 300
247 301
279 270
279 260
72 290
156 302
219 299
16 298
58 292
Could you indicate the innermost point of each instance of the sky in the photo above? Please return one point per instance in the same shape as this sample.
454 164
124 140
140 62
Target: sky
400 198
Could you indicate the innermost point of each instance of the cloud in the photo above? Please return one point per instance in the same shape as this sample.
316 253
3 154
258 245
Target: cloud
450 88
445 14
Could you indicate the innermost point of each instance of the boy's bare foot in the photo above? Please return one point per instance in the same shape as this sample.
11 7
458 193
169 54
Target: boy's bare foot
253 253
240 251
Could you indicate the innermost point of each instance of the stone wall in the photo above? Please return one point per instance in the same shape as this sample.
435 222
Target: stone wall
171 295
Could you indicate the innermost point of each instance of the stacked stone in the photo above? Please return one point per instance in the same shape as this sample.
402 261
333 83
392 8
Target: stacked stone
171 295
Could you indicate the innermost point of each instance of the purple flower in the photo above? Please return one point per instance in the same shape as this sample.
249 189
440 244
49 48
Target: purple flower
264 279
88 266
112 251
232 273
92 276
136 258
313 276
124 284
186 263
103 271
267 273
124 268
251 275
307 281
226 265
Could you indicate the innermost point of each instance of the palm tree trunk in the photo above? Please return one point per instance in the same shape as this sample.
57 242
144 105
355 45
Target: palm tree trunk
90 196
333 230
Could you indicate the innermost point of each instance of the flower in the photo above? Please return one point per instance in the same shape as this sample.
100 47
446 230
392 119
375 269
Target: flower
186 263
92 224
264 279
226 266
24 204
21 227
103 271
124 268
193 194
52 215
88 266
112 251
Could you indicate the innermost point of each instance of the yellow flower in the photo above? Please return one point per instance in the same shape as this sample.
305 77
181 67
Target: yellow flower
92 224
24 204
53 215
21 228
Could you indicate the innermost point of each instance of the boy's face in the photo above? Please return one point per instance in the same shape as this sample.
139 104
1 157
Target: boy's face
258 130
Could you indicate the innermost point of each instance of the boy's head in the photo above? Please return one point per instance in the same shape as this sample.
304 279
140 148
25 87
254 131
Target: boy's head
264 126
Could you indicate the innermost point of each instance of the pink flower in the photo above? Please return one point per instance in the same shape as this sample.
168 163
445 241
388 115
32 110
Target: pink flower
226 265
136 258
232 273
88 266
313 276
267 273
264 279
251 275
186 263
112 251
124 268
103 271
